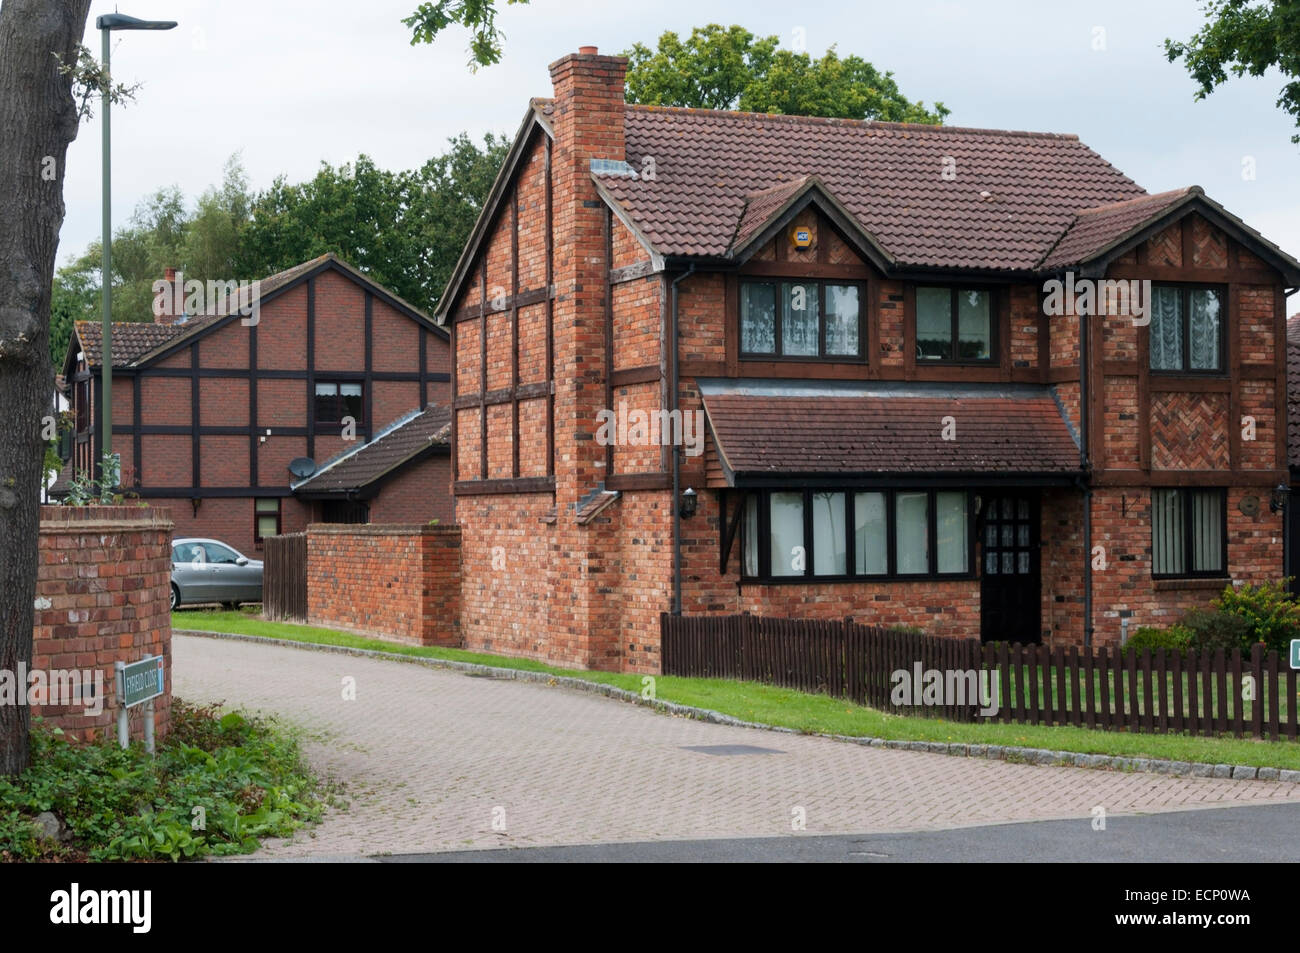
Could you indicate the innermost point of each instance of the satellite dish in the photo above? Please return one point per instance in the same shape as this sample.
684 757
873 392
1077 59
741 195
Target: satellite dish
302 467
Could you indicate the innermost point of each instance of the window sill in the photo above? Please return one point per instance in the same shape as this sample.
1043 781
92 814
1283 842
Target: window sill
1211 582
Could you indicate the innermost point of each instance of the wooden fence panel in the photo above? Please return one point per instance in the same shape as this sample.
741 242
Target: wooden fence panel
284 577
1103 687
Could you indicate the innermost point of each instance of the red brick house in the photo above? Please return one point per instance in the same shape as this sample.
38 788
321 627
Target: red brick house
904 420
209 411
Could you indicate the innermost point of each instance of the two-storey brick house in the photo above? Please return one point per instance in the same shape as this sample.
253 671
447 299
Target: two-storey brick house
209 410
905 421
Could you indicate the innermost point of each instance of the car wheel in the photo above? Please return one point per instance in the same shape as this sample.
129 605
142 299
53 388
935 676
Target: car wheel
176 597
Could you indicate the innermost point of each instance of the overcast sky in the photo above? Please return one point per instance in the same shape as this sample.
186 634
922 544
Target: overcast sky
289 84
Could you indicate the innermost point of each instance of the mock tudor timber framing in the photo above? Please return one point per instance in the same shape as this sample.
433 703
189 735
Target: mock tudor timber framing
253 374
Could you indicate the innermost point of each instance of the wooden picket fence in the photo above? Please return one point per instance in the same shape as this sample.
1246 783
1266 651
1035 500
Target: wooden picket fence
284 577
1105 688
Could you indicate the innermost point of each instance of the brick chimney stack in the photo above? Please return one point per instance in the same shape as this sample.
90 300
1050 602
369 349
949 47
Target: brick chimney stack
587 116
171 309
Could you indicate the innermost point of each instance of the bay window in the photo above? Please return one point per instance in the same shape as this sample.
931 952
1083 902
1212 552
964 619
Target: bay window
839 534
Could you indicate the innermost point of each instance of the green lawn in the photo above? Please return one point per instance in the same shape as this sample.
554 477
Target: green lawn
771 705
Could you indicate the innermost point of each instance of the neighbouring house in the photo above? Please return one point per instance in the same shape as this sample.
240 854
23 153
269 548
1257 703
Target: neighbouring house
904 421
210 410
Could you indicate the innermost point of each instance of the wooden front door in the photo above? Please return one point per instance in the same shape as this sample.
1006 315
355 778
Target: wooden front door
1010 587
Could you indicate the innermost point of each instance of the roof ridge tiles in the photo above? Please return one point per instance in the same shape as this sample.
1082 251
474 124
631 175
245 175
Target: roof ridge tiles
844 121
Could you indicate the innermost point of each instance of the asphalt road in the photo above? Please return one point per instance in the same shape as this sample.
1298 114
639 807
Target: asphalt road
1219 835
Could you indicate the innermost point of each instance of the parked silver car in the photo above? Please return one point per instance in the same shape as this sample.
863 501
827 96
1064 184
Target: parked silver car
204 570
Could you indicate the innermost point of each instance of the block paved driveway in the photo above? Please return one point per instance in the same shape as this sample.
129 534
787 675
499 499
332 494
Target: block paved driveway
429 758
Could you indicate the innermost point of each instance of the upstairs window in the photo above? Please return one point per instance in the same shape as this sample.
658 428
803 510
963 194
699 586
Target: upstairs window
954 325
336 400
801 319
1186 329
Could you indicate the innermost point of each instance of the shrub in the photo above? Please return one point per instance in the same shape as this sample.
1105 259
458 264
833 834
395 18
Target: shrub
246 776
1176 638
1211 629
1272 613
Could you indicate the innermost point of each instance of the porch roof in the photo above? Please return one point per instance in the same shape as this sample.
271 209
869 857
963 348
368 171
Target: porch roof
765 432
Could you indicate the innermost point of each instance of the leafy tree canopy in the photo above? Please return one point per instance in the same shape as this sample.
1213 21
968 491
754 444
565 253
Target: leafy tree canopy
720 67
1245 37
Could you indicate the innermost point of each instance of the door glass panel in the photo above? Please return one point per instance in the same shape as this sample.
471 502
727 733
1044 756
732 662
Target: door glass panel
991 563
1008 563
1008 535
991 535
220 554
1022 534
1023 566
1023 512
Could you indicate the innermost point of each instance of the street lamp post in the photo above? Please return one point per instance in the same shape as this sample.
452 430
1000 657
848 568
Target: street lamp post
106 25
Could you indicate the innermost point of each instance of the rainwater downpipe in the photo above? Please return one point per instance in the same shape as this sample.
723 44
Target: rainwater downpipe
1084 482
677 458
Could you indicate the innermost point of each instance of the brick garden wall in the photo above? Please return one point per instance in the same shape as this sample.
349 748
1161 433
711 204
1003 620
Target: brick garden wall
105 572
398 581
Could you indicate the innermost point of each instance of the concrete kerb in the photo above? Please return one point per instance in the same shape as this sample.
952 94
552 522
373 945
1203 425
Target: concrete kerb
992 752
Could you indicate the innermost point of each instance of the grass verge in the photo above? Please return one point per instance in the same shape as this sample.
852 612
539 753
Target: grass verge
219 783
786 708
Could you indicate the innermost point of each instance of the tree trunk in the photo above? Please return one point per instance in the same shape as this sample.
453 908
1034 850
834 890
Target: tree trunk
38 119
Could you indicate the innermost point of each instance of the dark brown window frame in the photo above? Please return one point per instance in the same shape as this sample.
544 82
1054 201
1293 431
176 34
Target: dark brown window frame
1185 494
821 356
338 383
765 576
995 355
1186 288
257 517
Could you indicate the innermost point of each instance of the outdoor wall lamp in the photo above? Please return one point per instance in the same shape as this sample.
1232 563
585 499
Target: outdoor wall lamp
1277 499
690 499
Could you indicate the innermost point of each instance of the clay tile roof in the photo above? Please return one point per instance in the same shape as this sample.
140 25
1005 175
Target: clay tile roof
760 206
1095 229
398 444
1010 196
1293 390
131 339
769 428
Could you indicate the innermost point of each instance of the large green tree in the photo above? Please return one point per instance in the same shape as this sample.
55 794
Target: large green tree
162 233
719 67
404 229
716 67
1245 37
38 119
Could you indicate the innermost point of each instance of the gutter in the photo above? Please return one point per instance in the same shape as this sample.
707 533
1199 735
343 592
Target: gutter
677 456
